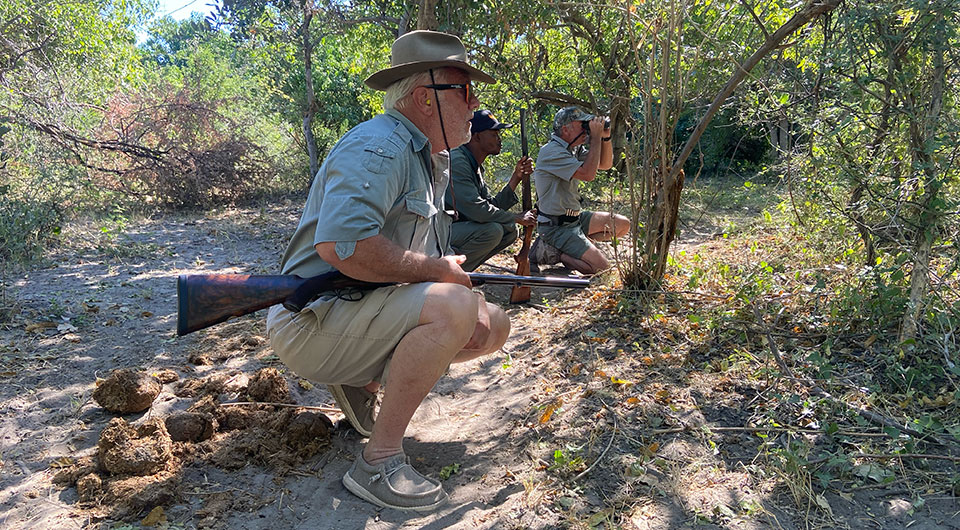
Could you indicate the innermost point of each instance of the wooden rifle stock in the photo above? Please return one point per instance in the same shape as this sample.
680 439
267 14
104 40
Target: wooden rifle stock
521 294
204 300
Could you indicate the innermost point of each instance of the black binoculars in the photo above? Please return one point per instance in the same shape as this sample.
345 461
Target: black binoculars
586 124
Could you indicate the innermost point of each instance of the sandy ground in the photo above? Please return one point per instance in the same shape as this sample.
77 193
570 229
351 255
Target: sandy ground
101 305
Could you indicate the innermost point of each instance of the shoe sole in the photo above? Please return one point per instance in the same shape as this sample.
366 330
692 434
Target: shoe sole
341 398
359 491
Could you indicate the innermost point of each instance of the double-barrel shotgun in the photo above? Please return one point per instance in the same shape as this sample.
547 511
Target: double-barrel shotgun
207 299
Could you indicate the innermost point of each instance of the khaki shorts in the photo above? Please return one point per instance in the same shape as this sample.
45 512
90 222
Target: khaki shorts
336 341
570 239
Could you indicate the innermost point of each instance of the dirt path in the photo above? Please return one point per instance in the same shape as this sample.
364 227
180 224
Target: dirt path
533 437
88 313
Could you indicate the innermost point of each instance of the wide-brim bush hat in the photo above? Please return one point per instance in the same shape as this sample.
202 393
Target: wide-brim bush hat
421 50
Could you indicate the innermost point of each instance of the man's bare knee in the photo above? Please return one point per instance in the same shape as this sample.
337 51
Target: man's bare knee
453 307
499 328
499 332
622 225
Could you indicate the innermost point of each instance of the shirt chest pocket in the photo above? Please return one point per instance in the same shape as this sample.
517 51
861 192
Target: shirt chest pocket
420 206
376 158
417 228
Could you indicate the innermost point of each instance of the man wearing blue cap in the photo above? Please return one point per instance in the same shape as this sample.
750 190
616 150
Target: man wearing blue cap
484 224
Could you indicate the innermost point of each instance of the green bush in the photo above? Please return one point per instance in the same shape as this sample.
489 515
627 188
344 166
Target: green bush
726 145
25 226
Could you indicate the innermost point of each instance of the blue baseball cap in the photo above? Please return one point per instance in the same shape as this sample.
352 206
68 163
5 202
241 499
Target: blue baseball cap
483 120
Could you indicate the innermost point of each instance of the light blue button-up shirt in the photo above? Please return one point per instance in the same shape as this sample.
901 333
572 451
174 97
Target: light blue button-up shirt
380 178
553 176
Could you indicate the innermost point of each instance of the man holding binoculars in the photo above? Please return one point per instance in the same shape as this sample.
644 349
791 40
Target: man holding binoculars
567 232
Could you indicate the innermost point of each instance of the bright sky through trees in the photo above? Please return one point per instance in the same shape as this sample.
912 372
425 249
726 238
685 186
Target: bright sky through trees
181 9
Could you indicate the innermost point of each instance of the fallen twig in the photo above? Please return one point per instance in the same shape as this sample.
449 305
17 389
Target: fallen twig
876 486
905 455
607 448
331 410
765 429
868 415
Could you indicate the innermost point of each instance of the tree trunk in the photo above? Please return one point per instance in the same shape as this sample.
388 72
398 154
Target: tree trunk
310 108
664 217
427 18
923 130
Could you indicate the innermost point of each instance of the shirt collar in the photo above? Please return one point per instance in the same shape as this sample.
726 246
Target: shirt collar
469 154
417 138
561 141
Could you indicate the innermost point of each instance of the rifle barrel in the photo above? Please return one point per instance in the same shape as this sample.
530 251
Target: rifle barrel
533 281
523 132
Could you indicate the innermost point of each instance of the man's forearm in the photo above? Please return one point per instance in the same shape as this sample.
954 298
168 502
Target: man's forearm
588 171
606 155
377 259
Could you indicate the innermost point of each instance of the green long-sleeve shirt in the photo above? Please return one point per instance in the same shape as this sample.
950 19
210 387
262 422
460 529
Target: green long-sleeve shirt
472 197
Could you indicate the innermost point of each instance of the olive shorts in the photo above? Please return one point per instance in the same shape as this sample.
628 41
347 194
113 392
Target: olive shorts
571 238
344 342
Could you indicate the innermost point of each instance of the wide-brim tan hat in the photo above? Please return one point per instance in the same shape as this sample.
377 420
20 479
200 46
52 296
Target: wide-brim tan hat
421 50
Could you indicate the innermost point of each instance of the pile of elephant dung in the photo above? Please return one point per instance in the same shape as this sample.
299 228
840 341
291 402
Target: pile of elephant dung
133 469
126 391
212 385
269 386
262 434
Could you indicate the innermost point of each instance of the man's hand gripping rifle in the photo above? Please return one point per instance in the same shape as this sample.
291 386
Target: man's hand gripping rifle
208 299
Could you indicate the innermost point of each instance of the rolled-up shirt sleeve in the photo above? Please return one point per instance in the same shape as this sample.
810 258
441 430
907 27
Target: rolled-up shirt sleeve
358 193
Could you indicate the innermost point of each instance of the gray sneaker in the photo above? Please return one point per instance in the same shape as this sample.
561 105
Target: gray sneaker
393 484
358 405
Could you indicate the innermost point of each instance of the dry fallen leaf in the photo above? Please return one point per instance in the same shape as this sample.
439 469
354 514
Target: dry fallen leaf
63 461
155 517
35 327
551 408
651 449
824 504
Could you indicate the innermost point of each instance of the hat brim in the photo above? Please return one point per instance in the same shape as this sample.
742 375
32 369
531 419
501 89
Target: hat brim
388 76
